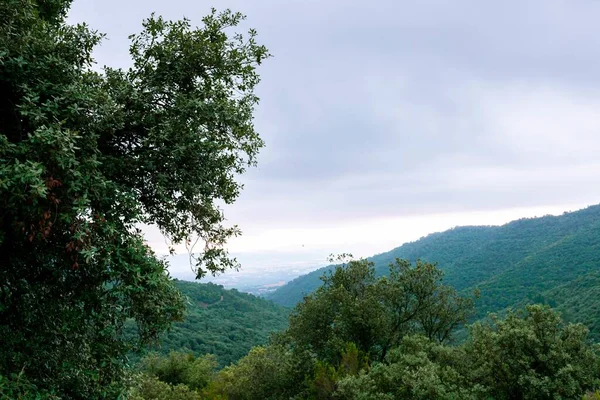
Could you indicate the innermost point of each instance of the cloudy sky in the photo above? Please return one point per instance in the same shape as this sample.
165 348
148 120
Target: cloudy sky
386 120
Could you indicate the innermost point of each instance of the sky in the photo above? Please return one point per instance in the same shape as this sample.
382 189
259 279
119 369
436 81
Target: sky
387 120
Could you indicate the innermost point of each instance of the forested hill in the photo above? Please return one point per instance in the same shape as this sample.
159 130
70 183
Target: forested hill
223 322
552 259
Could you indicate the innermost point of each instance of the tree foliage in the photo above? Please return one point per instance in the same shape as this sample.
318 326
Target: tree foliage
85 157
151 388
532 355
353 306
332 349
267 372
177 375
417 368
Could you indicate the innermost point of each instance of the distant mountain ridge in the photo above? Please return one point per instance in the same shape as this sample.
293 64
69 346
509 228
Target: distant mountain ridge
551 259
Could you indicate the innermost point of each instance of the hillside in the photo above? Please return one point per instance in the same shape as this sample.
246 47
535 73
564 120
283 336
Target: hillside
551 258
223 322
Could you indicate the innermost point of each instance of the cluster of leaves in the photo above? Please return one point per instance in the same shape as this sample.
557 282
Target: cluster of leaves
75 267
551 260
532 355
333 347
177 376
353 306
19 388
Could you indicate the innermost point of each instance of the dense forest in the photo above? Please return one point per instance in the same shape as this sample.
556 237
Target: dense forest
225 323
552 260
359 336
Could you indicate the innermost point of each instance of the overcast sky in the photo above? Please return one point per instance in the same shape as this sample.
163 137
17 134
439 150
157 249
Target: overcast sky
387 120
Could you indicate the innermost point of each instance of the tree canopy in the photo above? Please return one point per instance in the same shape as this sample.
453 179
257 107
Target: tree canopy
375 313
88 156
332 349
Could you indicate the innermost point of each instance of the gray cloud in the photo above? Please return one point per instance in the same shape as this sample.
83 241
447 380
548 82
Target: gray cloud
387 108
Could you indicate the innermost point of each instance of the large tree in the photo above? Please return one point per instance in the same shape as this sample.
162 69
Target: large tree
88 156
376 313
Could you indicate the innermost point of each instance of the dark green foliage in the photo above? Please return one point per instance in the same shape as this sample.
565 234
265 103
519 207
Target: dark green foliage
532 355
417 369
151 388
345 309
85 158
528 355
530 260
180 368
265 373
17 387
353 306
177 376
226 323
332 349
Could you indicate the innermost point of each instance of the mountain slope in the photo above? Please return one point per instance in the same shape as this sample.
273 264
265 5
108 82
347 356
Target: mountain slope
578 301
517 262
223 322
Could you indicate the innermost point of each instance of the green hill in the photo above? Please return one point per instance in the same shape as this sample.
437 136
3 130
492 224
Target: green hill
554 259
223 322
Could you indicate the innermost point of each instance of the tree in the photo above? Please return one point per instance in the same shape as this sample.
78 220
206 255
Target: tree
532 355
415 301
418 368
325 383
151 388
181 368
346 309
175 376
85 157
267 372
352 306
